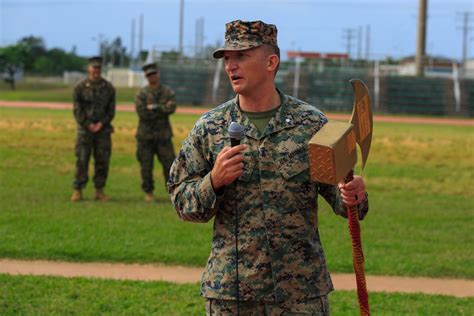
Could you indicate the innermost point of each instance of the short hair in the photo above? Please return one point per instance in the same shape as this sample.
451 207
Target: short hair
273 49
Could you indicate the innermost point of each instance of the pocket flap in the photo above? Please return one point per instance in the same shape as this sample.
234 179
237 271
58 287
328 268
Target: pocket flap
295 163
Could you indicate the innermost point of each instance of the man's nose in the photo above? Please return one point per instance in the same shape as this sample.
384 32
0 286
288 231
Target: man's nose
231 65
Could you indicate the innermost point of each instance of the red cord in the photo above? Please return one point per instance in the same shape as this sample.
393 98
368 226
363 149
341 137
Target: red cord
357 255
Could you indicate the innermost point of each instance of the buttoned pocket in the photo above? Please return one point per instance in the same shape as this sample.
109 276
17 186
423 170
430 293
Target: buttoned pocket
295 163
297 187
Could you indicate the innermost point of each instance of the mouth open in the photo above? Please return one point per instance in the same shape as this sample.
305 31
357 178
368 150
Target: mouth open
235 77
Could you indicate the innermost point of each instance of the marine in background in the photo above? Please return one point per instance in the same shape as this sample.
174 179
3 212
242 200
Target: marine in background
154 104
94 110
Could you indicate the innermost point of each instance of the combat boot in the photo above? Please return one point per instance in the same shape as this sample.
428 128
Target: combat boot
76 196
100 195
149 197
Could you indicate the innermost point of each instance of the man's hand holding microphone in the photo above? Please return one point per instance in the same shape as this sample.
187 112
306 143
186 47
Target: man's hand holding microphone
229 162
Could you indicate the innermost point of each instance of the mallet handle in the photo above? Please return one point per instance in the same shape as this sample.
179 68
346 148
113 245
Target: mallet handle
357 254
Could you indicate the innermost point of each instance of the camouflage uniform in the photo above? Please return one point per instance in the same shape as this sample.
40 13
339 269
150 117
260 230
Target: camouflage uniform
318 306
280 253
243 35
153 106
94 101
282 269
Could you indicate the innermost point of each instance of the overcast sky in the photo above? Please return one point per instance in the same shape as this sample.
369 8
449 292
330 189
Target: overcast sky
307 25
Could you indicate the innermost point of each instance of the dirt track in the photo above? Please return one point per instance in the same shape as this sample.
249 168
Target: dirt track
177 274
193 110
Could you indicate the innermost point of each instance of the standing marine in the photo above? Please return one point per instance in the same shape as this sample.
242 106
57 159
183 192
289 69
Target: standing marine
266 256
154 104
94 110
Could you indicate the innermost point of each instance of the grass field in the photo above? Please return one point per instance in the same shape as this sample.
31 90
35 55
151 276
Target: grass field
419 180
420 223
58 296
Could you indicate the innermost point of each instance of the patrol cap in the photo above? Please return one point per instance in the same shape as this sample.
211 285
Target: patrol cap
150 69
95 61
242 35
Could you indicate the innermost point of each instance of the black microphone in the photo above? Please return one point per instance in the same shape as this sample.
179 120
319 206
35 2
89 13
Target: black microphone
236 132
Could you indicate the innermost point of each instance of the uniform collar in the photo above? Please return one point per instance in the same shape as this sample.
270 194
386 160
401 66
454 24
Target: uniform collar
282 119
96 82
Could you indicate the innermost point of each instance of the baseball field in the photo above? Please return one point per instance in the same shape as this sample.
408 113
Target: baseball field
421 219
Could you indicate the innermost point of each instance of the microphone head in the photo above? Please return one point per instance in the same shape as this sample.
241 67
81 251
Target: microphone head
236 131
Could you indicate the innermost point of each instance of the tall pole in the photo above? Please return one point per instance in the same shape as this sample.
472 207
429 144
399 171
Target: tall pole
465 32
199 45
140 37
367 42
132 44
103 48
348 36
421 38
181 22
196 43
359 43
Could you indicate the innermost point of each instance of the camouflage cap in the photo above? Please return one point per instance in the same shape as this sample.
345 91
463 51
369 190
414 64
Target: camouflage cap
150 69
95 61
242 35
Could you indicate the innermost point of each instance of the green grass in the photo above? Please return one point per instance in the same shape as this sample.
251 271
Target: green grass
32 295
419 180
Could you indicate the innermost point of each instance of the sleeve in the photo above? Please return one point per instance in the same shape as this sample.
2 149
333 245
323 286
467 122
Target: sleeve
144 112
332 195
110 112
78 110
190 184
169 104
140 105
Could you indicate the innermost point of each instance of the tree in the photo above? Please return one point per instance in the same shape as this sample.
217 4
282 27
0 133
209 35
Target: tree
12 60
36 48
56 61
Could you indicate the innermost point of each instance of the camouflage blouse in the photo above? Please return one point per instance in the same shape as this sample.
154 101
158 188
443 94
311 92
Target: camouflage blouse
94 101
153 106
280 252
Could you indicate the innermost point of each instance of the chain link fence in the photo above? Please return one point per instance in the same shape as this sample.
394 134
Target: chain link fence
204 82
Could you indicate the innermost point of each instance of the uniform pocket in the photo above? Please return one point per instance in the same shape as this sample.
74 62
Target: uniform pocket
294 163
297 185
248 169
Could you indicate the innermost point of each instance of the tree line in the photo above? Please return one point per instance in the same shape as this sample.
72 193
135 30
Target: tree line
30 55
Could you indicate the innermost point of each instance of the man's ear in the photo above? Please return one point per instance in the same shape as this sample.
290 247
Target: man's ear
272 62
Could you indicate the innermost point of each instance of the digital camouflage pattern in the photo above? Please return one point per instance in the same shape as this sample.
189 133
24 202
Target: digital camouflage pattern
94 101
154 106
242 35
318 306
98 145
280 252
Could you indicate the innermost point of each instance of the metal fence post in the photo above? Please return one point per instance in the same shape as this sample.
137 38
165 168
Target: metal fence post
131 77
217 79
456 87
296 81
376 84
